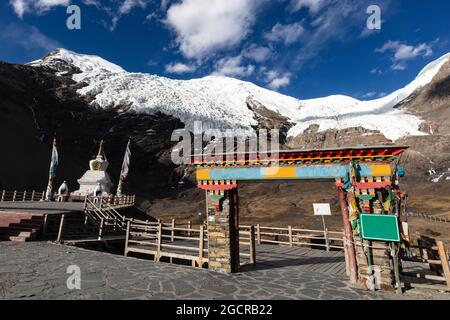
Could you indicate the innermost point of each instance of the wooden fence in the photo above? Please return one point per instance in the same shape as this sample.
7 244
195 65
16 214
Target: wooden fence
434 254
180 241
429 217
21 196
299 237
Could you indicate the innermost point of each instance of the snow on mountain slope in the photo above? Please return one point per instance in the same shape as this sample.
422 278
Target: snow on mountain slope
86 63
220 102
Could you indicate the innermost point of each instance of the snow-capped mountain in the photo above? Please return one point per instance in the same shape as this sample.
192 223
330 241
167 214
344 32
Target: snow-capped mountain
221 102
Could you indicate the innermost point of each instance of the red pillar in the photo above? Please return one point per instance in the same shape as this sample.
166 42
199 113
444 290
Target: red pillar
351 254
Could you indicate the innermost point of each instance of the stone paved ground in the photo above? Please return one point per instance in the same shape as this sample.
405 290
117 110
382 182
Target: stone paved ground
37 270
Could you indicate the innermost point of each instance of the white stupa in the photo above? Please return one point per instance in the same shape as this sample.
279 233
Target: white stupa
96 181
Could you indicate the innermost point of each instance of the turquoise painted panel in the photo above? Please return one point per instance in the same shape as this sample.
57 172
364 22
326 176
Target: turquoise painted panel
304 172
323 172
237 174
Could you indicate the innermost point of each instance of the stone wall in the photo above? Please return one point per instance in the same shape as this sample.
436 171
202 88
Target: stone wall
223 252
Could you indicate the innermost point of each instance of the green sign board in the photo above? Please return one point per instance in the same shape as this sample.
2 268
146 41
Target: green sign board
380 227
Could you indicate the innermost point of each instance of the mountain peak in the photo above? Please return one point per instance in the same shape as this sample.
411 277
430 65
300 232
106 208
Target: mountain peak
86 63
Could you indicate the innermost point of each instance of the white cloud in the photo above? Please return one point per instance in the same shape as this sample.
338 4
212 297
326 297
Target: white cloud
406 52
233 67
28 38
288 34
313 6
129 5
179 68
276 80
369 95
257 53
21 7
204 28
125 8
334 22
377 71
403 52
399 66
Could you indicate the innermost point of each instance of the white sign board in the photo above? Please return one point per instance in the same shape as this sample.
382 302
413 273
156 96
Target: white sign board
322 209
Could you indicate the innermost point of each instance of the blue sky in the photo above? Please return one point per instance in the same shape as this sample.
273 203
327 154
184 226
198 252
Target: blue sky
303 48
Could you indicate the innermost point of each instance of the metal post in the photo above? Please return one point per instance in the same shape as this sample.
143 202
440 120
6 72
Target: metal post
325 234
351 254
398 284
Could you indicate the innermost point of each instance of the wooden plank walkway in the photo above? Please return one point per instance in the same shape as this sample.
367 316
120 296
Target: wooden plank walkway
306 259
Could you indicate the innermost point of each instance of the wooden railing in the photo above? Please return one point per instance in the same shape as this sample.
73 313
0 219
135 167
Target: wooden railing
180 241
163 241
299 237
124 201
429 217
21 196
435 255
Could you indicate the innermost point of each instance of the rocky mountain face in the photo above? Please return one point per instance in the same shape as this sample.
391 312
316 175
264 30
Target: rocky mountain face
84 99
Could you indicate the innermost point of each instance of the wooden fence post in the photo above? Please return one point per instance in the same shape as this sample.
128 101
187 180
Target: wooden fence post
100 230
172 232
127 237
45 225
159 242
444 261
252 245
24 196
201 246
32 195
14 196
3 195
61 229
189 228
258 233
290 236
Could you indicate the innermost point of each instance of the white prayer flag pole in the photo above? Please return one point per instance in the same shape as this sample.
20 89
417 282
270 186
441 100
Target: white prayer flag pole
52 172
125 168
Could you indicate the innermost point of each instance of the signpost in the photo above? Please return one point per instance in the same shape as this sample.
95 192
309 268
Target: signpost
379 227
323 209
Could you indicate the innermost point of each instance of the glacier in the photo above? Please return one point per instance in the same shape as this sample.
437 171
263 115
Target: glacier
220 102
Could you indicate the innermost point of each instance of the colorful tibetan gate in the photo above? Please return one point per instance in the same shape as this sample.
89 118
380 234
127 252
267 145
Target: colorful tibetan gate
367 182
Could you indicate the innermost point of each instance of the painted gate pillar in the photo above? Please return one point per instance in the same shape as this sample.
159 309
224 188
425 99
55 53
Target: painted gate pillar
223 226
348 233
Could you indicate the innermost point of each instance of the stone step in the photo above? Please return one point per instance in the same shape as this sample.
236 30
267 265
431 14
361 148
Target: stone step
15 238
17 232
27 224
